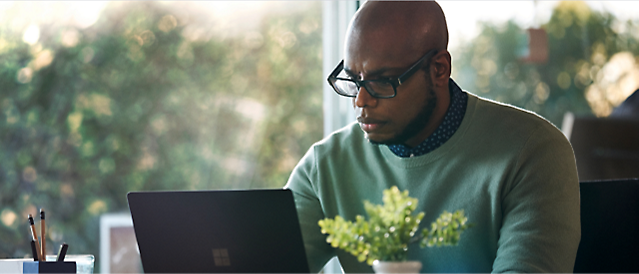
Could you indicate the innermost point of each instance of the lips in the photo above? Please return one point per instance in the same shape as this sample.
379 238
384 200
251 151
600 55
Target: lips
368 124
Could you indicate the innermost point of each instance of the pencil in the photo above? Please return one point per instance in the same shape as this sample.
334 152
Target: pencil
35 237
34 250
63 252
43 241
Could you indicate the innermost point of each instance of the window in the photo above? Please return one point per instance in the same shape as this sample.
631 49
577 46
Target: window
100 99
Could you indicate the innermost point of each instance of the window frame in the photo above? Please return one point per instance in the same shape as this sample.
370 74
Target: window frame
338 110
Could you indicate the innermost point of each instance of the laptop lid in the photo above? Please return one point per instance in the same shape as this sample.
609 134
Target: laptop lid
225 231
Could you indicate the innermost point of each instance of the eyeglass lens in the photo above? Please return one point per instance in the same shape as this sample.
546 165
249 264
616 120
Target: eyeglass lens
375 88
346 87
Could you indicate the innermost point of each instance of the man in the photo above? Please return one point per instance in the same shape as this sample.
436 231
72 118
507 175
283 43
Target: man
511 171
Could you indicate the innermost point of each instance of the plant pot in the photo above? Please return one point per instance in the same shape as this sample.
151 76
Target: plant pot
397 267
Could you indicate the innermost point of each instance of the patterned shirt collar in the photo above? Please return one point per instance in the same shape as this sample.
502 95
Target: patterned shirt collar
451 122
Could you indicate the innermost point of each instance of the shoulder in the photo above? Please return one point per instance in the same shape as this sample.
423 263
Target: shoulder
534 144
348 137
510 121
506 113
332 152
342 148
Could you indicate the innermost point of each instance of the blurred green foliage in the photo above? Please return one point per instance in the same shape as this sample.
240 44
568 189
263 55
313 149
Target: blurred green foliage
580 42
132 103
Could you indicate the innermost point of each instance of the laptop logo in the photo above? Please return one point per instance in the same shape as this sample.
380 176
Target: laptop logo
221 257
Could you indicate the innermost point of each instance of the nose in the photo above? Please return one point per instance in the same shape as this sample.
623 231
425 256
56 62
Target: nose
364 99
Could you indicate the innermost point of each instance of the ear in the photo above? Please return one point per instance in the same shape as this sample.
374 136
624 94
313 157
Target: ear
440 68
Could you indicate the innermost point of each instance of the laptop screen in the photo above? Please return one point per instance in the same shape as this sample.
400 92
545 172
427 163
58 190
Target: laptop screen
226 231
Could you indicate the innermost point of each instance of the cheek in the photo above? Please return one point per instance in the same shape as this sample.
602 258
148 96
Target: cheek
410 107
399 113
406 114
410 104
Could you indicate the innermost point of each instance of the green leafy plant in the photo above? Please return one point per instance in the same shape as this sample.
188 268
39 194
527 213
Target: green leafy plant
391 228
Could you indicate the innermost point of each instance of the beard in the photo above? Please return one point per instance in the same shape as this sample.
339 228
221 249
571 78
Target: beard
417 124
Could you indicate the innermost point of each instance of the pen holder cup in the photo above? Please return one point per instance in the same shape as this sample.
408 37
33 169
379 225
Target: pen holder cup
84 262
48 267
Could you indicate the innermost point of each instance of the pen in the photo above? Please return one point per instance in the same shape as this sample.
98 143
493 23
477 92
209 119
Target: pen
35 236
63 252
34 250
43 241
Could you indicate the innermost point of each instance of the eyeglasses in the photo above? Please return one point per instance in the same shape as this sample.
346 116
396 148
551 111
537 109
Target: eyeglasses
378 88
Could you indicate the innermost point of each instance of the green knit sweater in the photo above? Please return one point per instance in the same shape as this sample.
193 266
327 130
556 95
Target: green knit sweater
511 171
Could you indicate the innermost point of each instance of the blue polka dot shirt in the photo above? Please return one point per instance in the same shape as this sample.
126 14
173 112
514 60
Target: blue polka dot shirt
450 124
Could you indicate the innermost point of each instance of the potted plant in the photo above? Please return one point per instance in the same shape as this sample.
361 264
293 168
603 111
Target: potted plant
383 240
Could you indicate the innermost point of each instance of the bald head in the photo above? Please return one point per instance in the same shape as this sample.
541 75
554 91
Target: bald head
384 41
418 25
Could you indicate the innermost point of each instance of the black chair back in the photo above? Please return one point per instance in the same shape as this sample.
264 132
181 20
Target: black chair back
609 227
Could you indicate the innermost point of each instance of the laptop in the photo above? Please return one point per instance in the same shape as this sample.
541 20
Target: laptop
221 231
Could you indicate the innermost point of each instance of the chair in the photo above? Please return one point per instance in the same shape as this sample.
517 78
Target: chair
609 227
605 148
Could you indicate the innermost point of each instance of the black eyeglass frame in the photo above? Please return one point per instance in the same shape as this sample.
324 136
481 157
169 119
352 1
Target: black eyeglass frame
394 82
